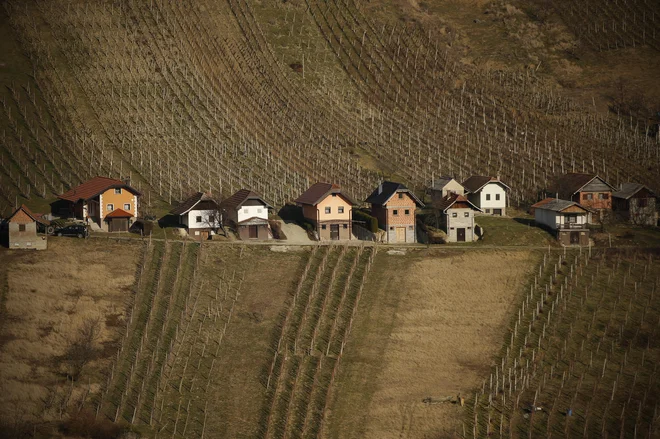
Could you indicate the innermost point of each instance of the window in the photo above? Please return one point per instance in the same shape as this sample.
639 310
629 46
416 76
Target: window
642 202
346 226
497 197
487 197
407 211
466 214
323 227
400 195
410 227
212 219
395 212
454 214
118 191
127 207
328 210
246 210
570 219
603 196
391 228
21 227
340 209
589 196
110 207
198 219
259 210
487 210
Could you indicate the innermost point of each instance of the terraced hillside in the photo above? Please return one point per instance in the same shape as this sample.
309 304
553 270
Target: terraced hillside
217 95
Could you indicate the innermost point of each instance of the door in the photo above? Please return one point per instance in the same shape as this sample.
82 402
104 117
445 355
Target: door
575 237
334 232
203 236
460 234
400 234
497 212
253 232
119 225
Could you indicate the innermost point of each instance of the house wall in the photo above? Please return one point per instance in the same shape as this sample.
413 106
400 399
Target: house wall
546 218
247 212
118 200
492 189
452 187
27 239
345 230
334 202
452 223
262 232
598 201
400 205
564 237
191 219
642 211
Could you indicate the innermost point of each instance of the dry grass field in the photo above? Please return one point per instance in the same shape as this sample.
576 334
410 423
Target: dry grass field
49 299
430 326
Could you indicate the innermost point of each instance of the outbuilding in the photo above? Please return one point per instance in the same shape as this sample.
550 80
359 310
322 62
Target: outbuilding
22 230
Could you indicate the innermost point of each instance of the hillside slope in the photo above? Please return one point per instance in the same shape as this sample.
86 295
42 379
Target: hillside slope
272 95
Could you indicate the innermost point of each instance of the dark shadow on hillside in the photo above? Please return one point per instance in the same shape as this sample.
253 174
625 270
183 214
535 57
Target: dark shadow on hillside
526 221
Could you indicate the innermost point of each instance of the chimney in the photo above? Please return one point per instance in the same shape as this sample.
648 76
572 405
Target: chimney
380 188
556 195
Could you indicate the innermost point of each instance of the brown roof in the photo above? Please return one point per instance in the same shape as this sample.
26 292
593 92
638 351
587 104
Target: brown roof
239 198
557 205
476 182
22 215
119 213
542 202
92 188
318 191
190 202
455 201
568 184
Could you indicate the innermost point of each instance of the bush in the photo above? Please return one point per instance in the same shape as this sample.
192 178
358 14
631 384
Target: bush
370 222
85 424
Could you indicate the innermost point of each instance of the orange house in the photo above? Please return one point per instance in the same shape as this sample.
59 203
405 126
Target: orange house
110 204
393 204
329 209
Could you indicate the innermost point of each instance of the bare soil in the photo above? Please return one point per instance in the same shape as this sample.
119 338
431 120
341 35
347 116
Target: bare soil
428 327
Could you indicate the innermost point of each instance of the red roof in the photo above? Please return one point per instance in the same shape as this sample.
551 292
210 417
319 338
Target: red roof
94 187
22 215
119 213
455 201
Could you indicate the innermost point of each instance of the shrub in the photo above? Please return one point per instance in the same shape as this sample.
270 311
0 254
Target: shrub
370 222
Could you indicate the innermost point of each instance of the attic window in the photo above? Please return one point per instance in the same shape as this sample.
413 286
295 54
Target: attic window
466 214
454 214
198 219
487 197
407 211
246 210
395 212
497 196
110 207
334 195
328 209
118 191
340 209
400 195
21 227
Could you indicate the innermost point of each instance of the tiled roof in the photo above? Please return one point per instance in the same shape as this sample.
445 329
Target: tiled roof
119 213
386 190
318 191
190 202
94 187
568 184
476 182
629 189
22 215
455 201
239 198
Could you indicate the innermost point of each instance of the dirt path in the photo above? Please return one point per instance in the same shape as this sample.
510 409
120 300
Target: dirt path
431 330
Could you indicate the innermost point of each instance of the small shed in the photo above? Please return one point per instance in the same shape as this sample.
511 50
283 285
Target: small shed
22 230
636 203
566 219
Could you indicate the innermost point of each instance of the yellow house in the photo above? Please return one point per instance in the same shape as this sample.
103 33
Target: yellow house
329 209
109 203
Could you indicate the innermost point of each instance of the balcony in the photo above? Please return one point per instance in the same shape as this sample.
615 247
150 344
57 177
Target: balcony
571 226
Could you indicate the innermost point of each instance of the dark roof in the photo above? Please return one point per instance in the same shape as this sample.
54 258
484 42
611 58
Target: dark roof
239 198
455 201
440 182
387 189
92 188
629 189
568 184
476 182
119 213
557 205
318 191
190 202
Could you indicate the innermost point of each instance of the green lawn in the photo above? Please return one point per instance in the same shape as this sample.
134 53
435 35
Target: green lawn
517 230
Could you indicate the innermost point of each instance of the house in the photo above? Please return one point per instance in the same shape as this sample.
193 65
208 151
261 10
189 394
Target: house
394 206
110 204
443 186
247 211
22 230
457 217
636 203
329 210
199 214
589 190
566 219
487 193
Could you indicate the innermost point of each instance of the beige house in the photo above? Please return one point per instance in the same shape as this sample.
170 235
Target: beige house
458 218
443 186
393 204
329 210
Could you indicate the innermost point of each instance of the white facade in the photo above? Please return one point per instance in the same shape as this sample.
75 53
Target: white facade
201 219
551 218
492 196
247 212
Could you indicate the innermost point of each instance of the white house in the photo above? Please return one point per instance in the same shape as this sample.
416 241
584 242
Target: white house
443 186
200 215
567 220
247 211
458 218
487 193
